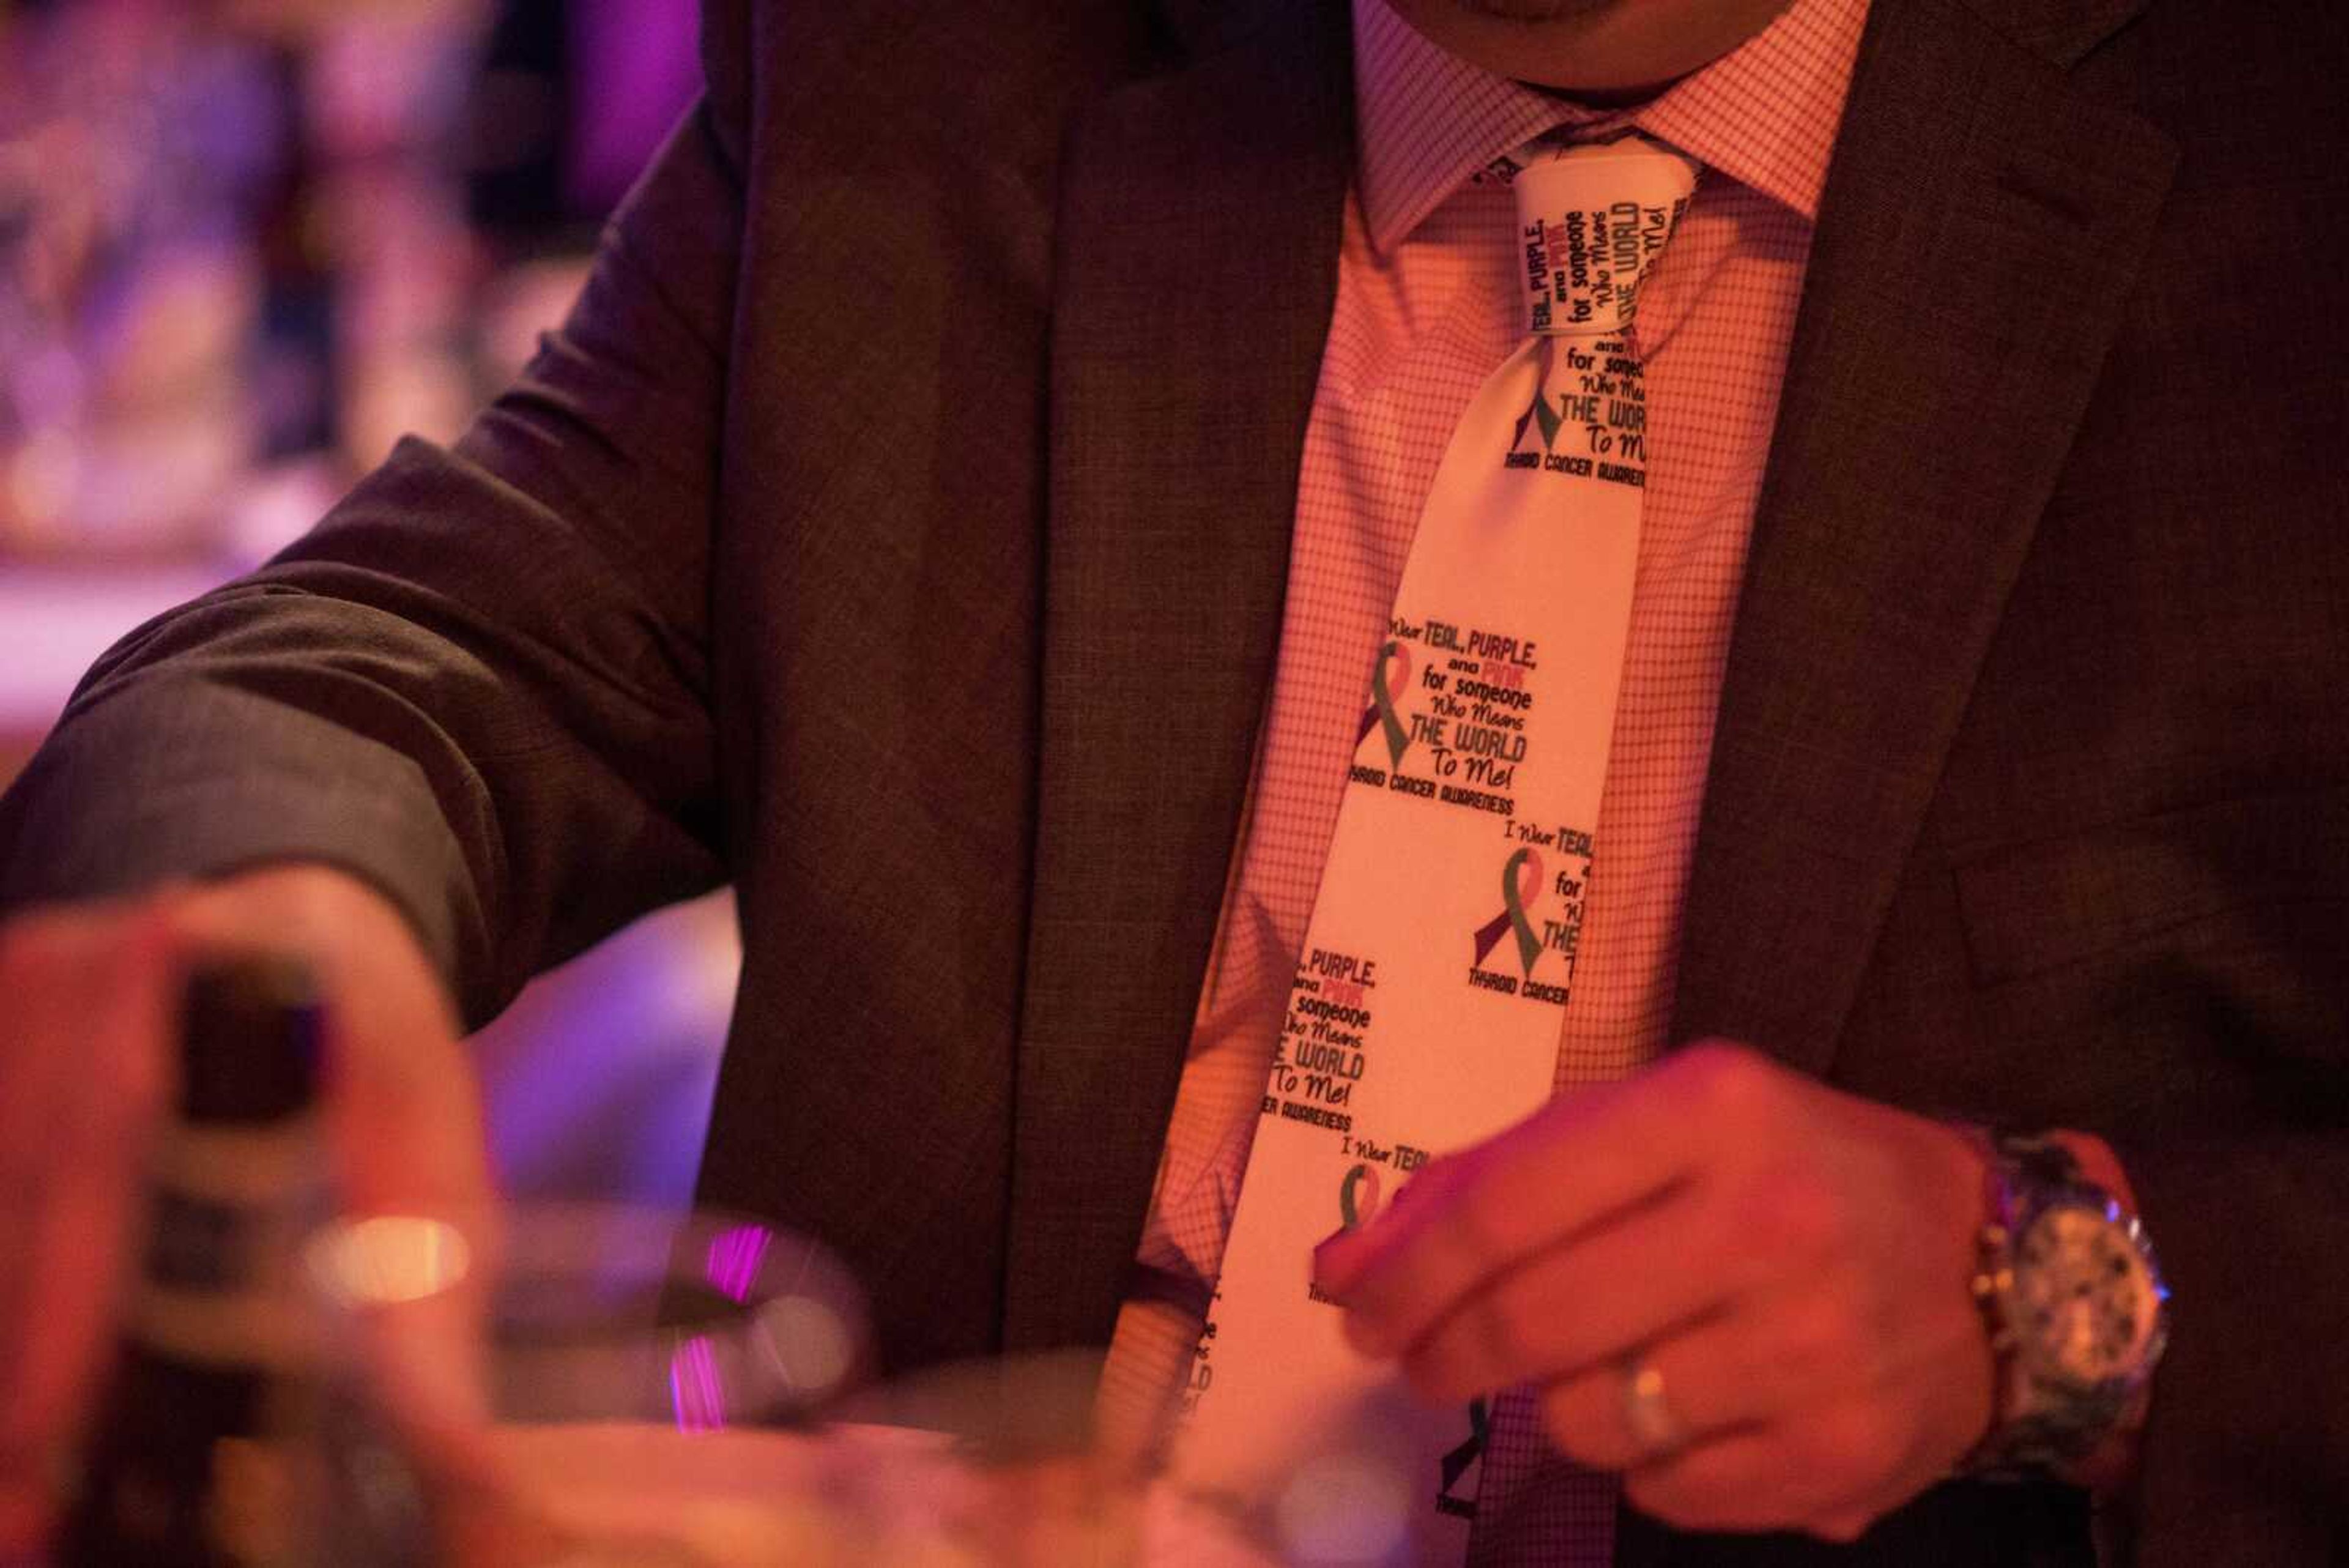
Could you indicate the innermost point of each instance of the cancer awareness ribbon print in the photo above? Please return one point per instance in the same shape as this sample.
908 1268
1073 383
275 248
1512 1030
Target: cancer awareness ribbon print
1480 758
1389 675
1520 885
1358 1195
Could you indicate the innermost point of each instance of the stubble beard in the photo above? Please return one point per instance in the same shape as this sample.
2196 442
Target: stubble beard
1530 10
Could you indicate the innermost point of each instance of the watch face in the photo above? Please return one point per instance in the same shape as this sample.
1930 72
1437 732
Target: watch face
2084 1300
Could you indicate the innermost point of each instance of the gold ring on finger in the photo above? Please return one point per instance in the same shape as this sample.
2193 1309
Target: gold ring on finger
1646 1412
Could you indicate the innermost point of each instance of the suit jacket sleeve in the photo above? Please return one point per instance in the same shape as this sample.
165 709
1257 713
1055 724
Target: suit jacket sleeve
480 683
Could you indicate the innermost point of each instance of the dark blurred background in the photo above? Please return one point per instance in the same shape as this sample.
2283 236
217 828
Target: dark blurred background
245 246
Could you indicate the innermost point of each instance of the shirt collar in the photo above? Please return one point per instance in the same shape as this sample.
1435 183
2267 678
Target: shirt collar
1765 114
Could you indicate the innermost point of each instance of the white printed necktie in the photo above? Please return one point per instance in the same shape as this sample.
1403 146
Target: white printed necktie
1424 1013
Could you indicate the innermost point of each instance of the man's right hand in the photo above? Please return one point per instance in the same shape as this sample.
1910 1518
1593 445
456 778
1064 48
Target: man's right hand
88 1010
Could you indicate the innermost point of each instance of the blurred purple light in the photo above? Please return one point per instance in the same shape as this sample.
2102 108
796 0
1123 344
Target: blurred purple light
735 1255
695 1391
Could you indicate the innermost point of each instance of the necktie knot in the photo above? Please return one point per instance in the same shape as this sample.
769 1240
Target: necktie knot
1593 218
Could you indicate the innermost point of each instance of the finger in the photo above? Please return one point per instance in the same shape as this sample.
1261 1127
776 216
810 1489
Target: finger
1739 1480
423 1357
1792 1476
86 1070
1764 1363
1620 1284
1579 1160
51 966
88 1019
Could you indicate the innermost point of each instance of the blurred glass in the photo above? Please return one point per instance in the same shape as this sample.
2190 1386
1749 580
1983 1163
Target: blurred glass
591 1386
577 1385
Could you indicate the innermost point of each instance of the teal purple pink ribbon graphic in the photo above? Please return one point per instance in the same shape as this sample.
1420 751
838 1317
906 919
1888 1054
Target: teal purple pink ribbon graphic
1357 1196
1521 881
1387 678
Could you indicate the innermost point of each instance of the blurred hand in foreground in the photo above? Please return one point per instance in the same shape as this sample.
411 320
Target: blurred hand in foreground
1783 1266
88 1010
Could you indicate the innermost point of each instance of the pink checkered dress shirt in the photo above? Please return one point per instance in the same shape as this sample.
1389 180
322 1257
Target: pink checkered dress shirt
1426 307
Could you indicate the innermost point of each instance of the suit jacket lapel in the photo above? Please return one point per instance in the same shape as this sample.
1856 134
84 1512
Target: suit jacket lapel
1979 232
1199 241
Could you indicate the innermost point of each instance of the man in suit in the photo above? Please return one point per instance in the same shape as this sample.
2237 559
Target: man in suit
900 521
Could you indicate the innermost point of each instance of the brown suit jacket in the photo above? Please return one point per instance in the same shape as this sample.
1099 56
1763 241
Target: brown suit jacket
899 526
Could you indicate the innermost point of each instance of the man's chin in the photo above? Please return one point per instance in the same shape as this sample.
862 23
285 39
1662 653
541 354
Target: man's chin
1585 45
1528 10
